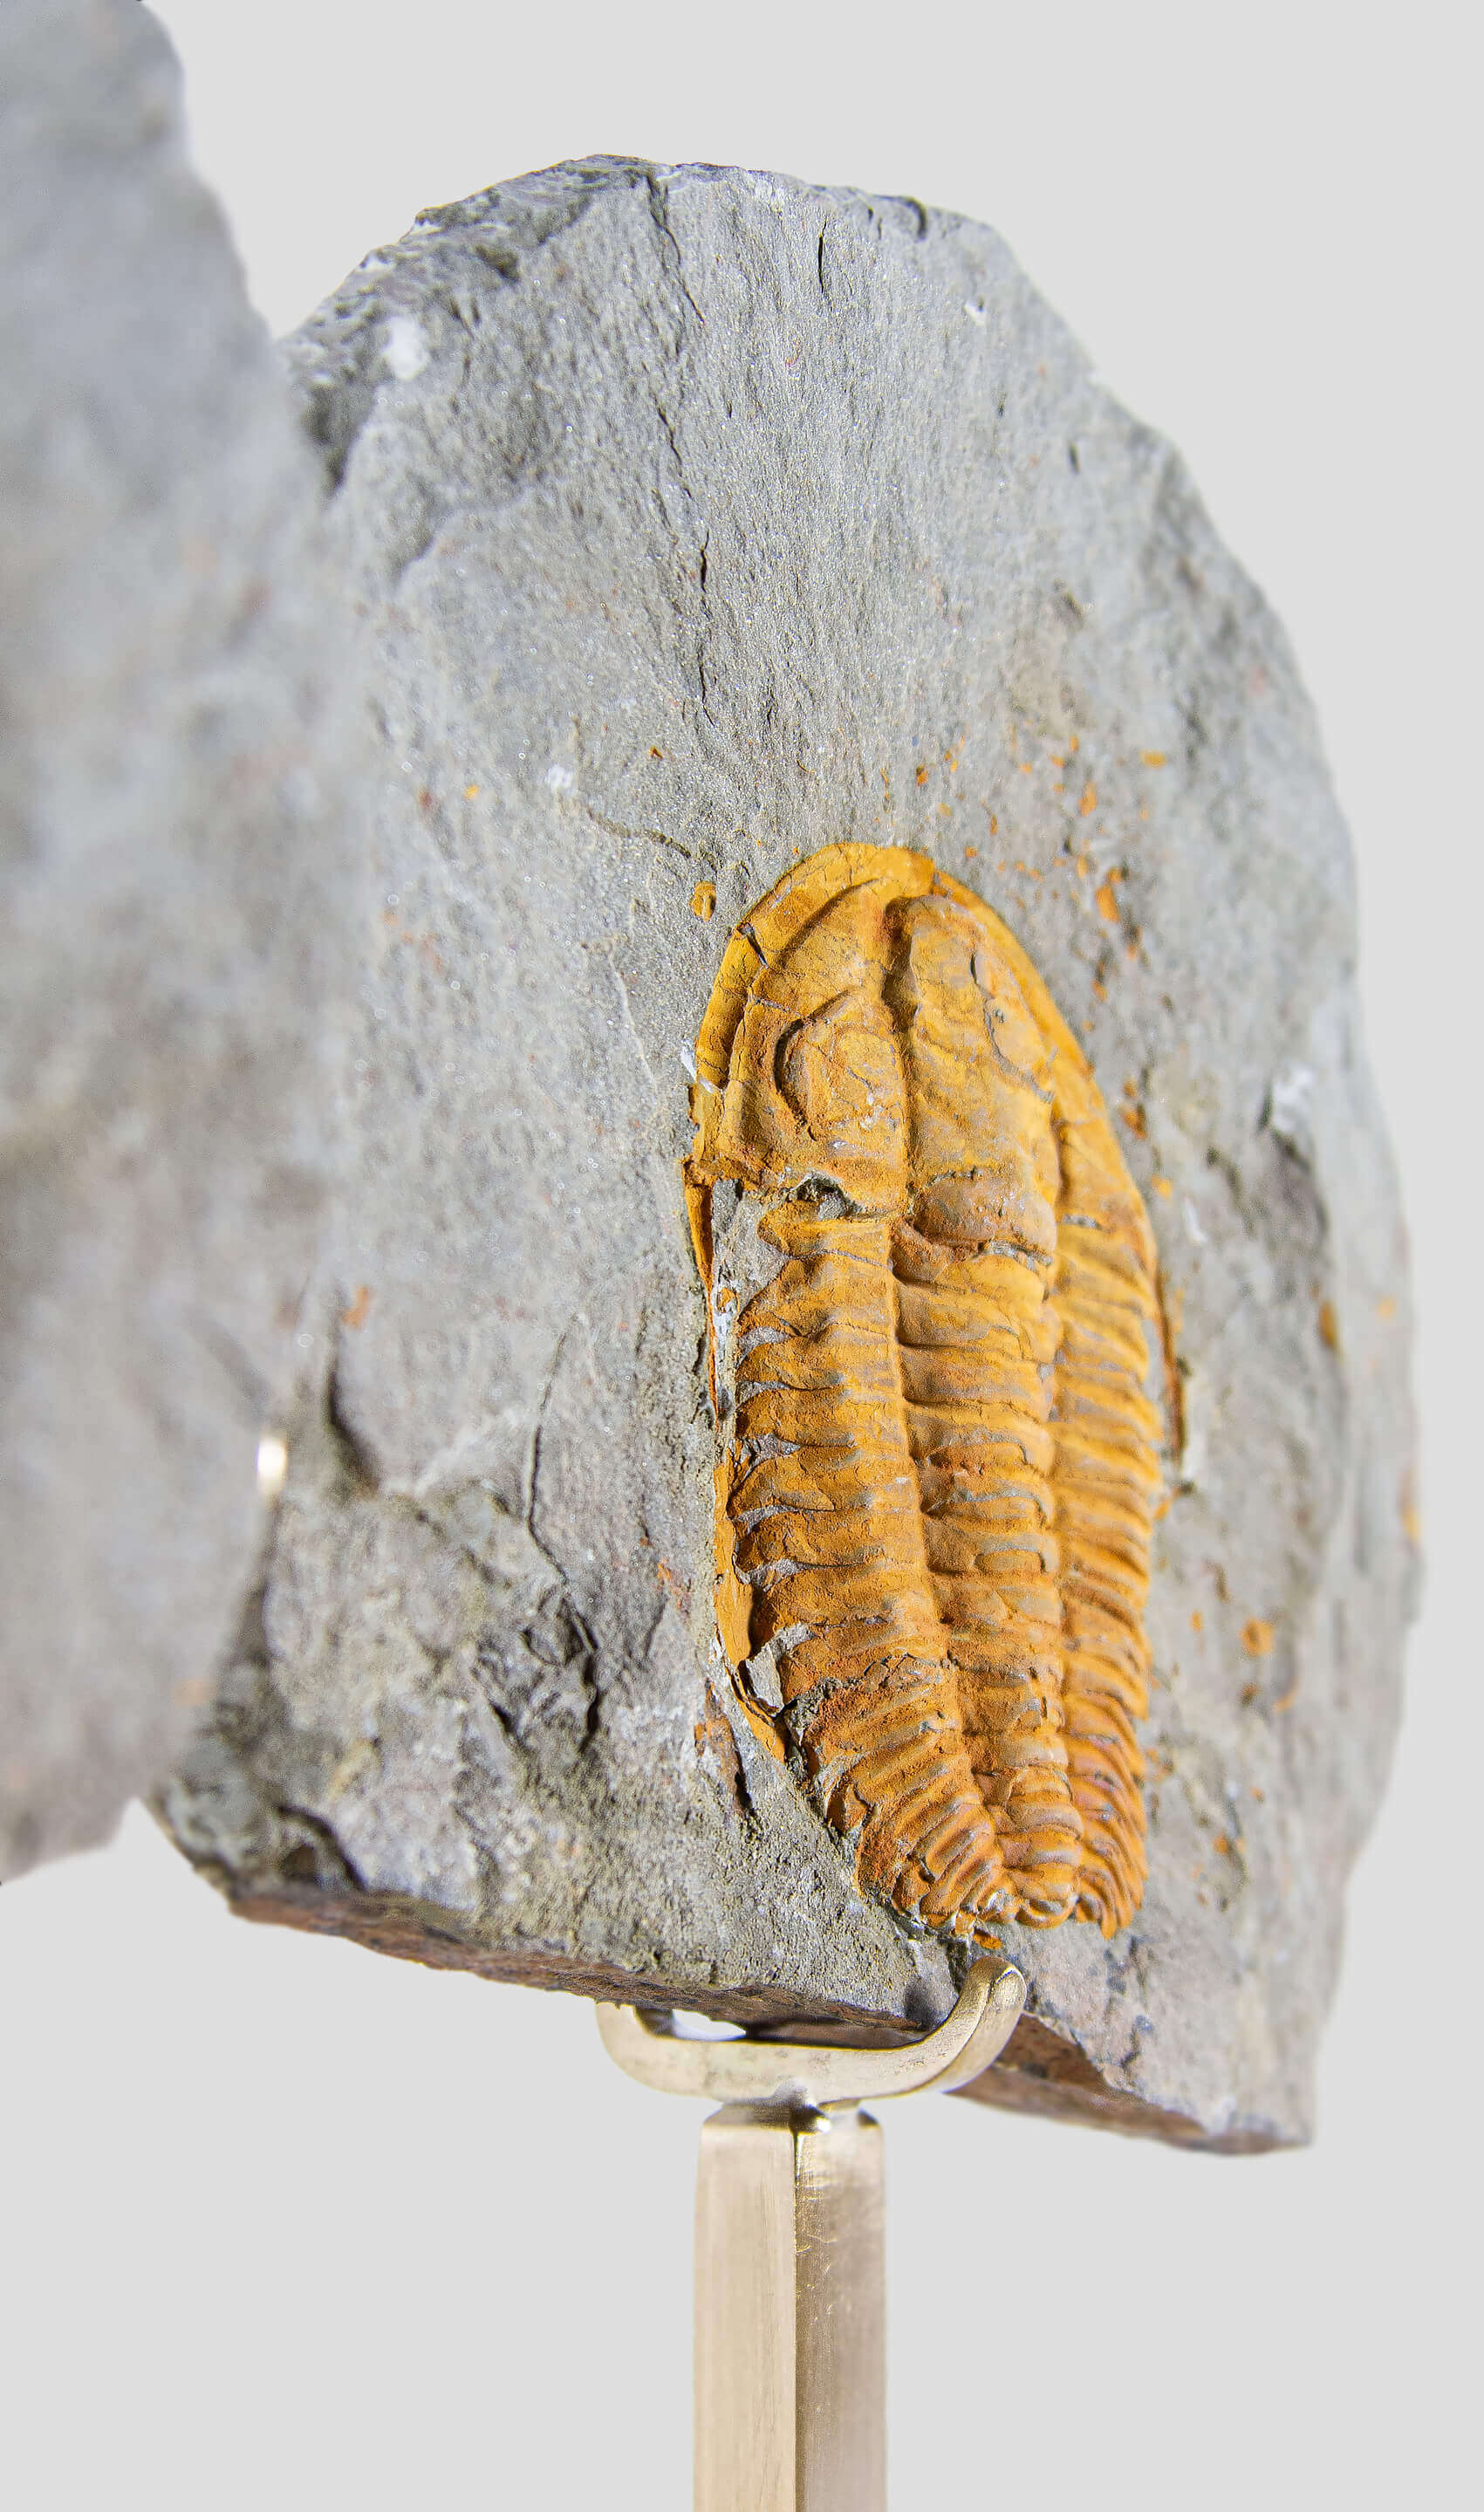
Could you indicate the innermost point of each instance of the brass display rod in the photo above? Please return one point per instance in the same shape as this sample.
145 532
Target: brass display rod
790 2290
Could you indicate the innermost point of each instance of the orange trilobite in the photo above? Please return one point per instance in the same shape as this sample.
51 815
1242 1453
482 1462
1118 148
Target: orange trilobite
930 1286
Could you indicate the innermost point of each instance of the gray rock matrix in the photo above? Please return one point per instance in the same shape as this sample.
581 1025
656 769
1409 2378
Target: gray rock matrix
699 518
175 916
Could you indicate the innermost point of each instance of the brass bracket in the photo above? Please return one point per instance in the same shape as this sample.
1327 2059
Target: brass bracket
790 2287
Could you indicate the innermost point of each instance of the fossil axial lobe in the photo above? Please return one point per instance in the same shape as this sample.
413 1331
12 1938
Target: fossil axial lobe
938 1465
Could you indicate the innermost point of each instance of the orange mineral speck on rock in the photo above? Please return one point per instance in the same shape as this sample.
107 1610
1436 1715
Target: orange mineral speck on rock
1089 801
1108 905
1257 1639
1153 758
1329 1326
1410 1514
937 1466
1162 1185
359 1310
713 1734
703 900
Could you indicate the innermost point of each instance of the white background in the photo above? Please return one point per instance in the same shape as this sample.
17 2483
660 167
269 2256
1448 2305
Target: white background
286 2223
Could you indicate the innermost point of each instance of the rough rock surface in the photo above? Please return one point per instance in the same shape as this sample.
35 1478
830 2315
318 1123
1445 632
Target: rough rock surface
173 859
702 519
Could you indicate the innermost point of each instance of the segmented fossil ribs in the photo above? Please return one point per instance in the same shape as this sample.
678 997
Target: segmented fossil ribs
938 1467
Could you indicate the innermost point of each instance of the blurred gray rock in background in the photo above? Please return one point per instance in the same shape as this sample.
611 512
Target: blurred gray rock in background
702 519
178 910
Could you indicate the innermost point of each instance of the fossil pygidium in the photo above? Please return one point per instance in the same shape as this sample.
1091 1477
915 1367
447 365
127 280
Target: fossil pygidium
931 1286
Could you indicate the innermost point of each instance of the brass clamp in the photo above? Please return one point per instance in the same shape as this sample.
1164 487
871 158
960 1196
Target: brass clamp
790 2284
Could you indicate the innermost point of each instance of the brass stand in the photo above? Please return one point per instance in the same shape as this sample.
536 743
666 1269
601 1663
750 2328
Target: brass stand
790 2319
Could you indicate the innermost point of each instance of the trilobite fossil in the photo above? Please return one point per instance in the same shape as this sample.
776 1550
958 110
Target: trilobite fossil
933 1312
